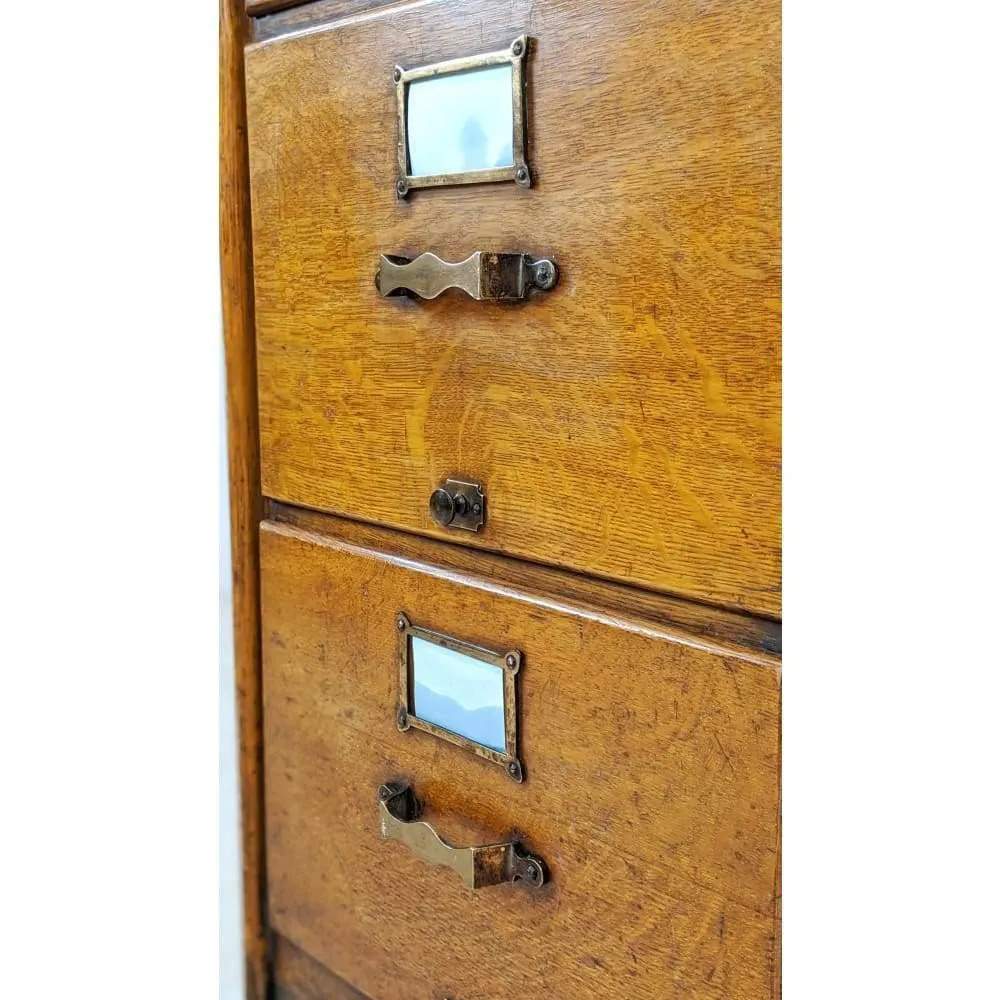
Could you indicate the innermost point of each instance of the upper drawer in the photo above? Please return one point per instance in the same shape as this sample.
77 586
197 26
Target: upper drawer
626 423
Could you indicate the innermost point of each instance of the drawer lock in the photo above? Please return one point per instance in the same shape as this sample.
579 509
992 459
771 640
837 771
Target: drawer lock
458 505
489 864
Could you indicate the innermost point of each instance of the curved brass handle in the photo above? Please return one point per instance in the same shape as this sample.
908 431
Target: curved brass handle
488 277
490 864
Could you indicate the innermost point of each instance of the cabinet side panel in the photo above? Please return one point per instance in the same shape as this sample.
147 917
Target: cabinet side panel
244 473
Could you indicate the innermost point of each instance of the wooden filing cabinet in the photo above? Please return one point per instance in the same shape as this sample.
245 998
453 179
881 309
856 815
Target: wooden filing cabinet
624 427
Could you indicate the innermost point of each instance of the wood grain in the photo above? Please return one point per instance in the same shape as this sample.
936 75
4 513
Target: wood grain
651 792
272 18
244 478
627 426
724 630
255 8
298 976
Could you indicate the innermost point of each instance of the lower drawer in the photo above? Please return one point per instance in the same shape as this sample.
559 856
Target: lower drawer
650 792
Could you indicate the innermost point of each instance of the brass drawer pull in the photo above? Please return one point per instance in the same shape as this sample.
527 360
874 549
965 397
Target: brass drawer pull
488 277
490 864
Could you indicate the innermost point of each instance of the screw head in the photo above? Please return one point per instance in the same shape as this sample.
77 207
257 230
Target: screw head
545 274
521 175
401 623
383 792
401 187
477 508
518 47
401 718
397 74
511 660
514 769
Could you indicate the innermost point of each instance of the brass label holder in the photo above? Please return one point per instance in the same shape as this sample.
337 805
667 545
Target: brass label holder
478 867
509 663
514 55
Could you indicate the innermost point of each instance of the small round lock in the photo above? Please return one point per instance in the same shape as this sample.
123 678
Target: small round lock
533 873
442 507
458 504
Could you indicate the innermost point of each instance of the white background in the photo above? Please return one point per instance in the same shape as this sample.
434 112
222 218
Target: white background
109 466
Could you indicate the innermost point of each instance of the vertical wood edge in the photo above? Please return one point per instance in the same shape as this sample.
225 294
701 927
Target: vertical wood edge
776 943
245 505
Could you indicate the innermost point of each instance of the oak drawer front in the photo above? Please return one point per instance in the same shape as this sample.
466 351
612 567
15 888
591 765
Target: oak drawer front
651 792
627 423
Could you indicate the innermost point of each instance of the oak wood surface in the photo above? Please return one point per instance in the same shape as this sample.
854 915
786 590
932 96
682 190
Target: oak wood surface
298 976
723 629
626 425
651 791
277 17
244 478
255 8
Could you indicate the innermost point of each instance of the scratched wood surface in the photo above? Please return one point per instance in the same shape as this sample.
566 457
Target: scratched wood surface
651 791
628 424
